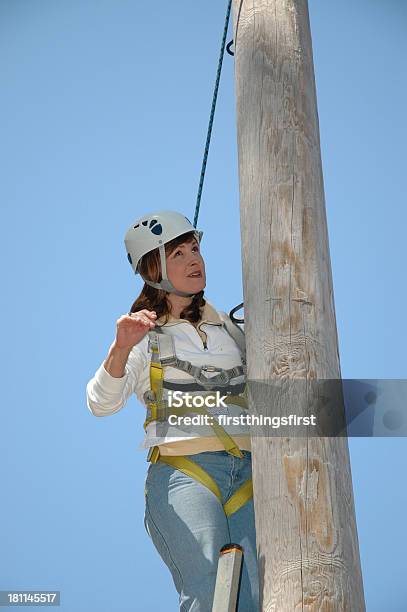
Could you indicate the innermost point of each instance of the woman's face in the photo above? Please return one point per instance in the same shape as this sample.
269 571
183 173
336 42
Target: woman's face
184 261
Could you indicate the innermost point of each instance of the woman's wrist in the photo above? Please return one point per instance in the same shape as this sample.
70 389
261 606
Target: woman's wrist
116 360
120 350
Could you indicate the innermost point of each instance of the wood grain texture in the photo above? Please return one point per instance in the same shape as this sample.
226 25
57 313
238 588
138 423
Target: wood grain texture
305 517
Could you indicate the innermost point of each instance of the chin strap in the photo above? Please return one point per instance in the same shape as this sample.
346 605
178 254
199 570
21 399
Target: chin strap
166 284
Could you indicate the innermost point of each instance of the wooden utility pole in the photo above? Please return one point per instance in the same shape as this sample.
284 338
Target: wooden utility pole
305 518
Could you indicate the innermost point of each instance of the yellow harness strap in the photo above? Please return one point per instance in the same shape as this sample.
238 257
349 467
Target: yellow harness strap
239 497
192 469
156 384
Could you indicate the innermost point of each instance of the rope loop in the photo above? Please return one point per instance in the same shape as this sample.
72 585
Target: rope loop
228 47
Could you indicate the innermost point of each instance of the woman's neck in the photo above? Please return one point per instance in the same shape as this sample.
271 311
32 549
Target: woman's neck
178 304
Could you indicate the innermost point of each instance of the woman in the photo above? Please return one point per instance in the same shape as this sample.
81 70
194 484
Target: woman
197 489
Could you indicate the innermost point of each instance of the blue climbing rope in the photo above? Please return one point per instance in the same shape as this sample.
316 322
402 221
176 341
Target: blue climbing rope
215 95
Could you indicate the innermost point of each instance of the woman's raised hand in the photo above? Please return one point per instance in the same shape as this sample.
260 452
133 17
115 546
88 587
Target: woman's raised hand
131 329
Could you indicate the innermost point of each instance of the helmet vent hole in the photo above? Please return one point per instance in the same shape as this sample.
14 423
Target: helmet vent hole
144 223
153 222
136 226
157 229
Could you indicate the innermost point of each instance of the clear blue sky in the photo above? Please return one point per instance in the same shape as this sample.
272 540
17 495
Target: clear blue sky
104 109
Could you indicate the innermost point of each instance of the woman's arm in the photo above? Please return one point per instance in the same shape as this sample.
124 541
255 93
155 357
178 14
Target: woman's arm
125 369
107 393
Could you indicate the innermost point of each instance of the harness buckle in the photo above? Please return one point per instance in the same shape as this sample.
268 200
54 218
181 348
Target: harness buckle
222 377
149 396
209 368
156 410
153 454
167 361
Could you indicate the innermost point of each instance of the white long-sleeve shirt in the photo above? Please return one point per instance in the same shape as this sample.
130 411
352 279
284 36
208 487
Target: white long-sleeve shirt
207 344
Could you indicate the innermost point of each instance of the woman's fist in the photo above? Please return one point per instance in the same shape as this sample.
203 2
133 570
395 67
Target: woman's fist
131 329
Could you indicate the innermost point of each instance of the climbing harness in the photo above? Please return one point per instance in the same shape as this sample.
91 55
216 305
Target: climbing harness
161 346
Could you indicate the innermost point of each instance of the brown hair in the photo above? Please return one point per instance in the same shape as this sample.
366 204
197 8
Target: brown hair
156 299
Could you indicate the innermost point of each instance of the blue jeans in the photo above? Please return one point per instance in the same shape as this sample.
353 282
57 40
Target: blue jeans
188 526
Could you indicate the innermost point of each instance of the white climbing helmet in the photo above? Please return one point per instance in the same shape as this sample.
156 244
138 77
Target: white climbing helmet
153 231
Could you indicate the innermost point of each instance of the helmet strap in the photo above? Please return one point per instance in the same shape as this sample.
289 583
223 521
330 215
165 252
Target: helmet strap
165 284
163 260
